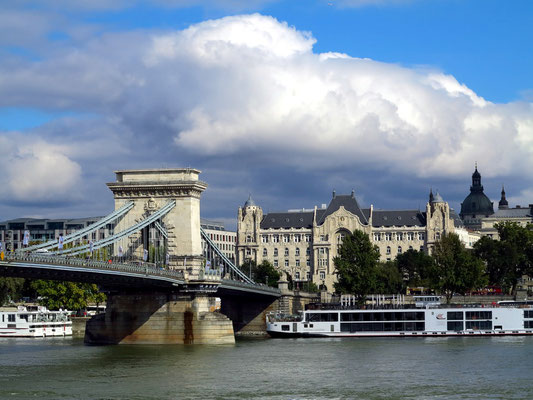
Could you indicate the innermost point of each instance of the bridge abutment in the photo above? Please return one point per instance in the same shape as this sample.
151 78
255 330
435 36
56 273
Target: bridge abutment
159 318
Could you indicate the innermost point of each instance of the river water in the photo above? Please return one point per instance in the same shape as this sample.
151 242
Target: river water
360 368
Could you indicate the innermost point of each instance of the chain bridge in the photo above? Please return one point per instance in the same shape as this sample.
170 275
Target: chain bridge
163 293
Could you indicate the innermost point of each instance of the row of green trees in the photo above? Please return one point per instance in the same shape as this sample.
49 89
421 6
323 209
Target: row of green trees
52 294
450 269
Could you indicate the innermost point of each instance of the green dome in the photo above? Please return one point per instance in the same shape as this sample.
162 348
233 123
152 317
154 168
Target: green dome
476 203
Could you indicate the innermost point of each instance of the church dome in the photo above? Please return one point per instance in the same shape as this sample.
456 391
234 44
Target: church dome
437 198
250 202
476 203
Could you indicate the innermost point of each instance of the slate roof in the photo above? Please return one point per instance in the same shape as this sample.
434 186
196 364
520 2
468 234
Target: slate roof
391 218
282 220
522 212
457 221
348 202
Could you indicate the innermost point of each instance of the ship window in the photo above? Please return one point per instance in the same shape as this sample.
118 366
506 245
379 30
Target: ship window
11 318
528 314
527 325
455 325
383 316
322 317
476 325
382 326
285 327
475 315
455 315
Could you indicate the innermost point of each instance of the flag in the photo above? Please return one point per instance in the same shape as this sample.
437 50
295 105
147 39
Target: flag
60 242
145 255
26 240
120 251
168 259
91 247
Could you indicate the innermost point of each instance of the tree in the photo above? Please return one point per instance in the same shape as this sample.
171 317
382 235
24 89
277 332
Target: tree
389 278
262 273
266 273
68 295
509 258
10 289
356 266
489 250
456 270
415 267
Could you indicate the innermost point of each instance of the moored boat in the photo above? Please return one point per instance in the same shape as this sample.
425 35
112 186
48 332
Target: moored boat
402 320
40 322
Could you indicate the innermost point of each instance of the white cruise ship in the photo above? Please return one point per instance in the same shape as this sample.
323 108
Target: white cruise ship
20 322
428 319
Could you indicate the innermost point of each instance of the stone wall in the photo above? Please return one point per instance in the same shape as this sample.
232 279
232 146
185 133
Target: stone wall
78 325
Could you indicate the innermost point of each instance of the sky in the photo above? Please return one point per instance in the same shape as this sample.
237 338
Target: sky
284 100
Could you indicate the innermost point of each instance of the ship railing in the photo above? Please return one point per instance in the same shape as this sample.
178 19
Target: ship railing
276 316
338 307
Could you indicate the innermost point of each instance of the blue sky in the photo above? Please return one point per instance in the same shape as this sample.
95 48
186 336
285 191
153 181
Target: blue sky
419 91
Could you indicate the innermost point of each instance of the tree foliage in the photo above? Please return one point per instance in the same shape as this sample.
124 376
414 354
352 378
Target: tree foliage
266 273
415 267
356 265
10 289
67 295
262 273
510 257
456 270
389 278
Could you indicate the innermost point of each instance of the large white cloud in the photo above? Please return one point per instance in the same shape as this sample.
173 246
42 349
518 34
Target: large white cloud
251 87
34 171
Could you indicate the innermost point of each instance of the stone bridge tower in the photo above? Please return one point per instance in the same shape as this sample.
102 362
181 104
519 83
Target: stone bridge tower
151 189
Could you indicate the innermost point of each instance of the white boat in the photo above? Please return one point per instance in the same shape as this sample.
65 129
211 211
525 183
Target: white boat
21 322
401 320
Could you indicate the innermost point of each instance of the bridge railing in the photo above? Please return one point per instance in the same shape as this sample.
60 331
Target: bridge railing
254 286
208 275
95 264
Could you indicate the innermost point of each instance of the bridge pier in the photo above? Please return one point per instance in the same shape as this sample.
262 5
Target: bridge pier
159 318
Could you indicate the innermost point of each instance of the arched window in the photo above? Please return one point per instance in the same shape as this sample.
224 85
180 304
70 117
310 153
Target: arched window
265 252
399 249
388 249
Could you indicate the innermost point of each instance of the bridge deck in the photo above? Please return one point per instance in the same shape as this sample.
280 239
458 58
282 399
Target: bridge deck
134 276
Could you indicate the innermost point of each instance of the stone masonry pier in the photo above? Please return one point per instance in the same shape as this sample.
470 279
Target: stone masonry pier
159 318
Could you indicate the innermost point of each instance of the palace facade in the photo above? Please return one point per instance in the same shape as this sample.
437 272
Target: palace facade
303 243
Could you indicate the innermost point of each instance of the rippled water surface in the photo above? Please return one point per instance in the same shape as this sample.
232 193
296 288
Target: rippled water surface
362 368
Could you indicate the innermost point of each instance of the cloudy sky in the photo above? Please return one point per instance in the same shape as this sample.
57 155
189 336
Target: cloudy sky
286 100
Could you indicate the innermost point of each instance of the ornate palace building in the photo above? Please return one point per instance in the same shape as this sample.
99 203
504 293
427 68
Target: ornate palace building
303 243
